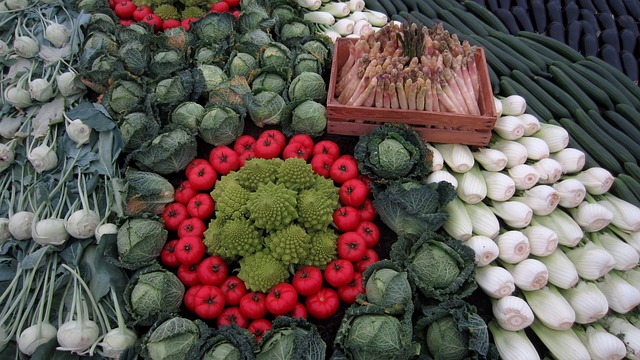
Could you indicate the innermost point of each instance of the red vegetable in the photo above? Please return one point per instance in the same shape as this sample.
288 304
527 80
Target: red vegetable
141 11
125 22
370 257
170 24
267 148
246 156
220 7
234 289
194 165
321 164
299 311
232 315
339 272
281 299
327 147
201 206
125 9
273 134
370 232
168 254
323 304
233 3
296 150
346 218
353 192
186 23
344 168
187 274
190 297
349 292
203 177
209 302
258 327
191 227
184 192
189 250
307 280
173 214
212 270
367 211
244 143
253 305
351 246
154 21
304 140
224 160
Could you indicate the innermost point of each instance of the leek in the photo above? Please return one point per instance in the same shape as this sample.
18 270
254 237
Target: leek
484 222
563 344
550 308
542 199
514 247
562 273
486 249
536 148
495 281
512 313
437 162
596 180
587 301
514 213
531 124
513 105
513 345
458 224
629 334
625 256
591 217
548 169
626 216
601 344
529 274
498 105
568 231
516 153
442 175
632 239
556 137
500 187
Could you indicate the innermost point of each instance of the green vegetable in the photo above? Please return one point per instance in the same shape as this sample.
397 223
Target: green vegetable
254 40
242 64
392 151
136 56
153 291
164 62
214 28
411 208
173 339
267 108
291 338
261 271
229 343
308 86
125 96
440 267
272 207
319 47
188 114
322 248
220 126
138 128
275 56
213 76
293 31
453 330
307 63
191 12
166 12
174 90
309 117
387 286
268 82
169 152
140 241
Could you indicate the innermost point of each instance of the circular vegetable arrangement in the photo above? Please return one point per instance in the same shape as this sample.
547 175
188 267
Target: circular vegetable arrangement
289 231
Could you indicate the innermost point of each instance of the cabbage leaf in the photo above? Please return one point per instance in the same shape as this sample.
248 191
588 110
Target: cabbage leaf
291 338
169 152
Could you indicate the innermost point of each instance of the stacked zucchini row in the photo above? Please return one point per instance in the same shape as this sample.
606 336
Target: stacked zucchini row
596 103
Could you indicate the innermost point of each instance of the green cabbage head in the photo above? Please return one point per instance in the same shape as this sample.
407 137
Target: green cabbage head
309 117
267 108
220 126
173 339
140 241
387 286
153 291
308 86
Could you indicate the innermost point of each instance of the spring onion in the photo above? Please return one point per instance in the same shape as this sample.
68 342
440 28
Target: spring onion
513 105
563 344
556 137
572 192
509 127
591 217
591 261
472 188
513 345
596 180
514 247
516 153
542 240
442 175
514 213
621 295
529 274
458 224
531 124
458 157
542 199
626 216
500 187
484 222
548 169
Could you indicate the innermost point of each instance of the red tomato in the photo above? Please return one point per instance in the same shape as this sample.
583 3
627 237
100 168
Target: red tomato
327 147
367 211
281 299
125 9
244 143
191 227
351 246
236 14
189 250
346 218
344 168
323 304
303 139
299 311
203 177
370 232
194 165
184 192
173 214
370 257
258 327
170 24
141 11
201 206
220 7
253 305
339 272
190 297
186 23
234 289
233 3
296 150
307 280
209 302
125 22
154 21
267 148
273 134
353 192
349 292
213 270
321 164
366 180
232 315
224 160
187 274
246 156
168 254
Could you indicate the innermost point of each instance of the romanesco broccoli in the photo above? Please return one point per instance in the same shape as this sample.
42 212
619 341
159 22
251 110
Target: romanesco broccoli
257 172
296 174
323 248
230 197
315 209
327 188
272 206
234 237
166 12
192 12
261 271
289 245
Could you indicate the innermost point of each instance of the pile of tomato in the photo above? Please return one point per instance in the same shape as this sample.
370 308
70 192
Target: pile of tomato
128 13
214 294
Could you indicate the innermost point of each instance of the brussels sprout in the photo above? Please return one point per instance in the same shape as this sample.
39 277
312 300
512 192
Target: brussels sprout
213 76
308 86
267 108
275 56
309 117
220 126
140 241
188 114
268 82
242 64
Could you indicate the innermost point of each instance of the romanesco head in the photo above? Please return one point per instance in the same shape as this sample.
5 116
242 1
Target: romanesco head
192 12
289 245
211 237
323 248
196 3
230 197
327 188
143 2
315 210
238 237
296 174
261 271
166 12
257 171
272 206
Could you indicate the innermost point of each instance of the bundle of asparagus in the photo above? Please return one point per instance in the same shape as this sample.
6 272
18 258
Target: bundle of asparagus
410 67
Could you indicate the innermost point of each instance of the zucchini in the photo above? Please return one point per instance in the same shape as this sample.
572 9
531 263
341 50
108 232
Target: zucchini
608 86
485 15
632 169
508 20
506 58
599 153
557 46
566 100
630 113
533 103
621 190
388 6
447 16
417 15
522 49
617 141
492 59
597 134
425 9
623 124
598 95
630 86
542 50
557 109
632 183
375 6
448 4
508 50
565 82
477 27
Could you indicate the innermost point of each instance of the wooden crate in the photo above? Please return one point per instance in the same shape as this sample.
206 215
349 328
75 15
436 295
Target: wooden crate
437 127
